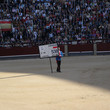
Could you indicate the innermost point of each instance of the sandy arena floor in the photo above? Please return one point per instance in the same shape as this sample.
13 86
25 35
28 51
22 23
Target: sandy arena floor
28 84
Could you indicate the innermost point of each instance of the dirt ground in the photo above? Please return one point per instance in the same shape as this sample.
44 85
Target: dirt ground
28 84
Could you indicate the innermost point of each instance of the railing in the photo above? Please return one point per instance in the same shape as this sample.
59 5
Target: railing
74 42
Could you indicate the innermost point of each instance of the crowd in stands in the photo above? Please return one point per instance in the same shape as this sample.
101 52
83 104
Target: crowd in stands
55 20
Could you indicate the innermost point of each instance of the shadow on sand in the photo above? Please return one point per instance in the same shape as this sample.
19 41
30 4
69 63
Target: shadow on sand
88 70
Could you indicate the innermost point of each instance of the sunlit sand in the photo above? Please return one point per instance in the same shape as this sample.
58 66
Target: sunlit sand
29 84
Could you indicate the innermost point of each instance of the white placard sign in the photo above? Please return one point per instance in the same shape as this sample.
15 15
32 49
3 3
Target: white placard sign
49 50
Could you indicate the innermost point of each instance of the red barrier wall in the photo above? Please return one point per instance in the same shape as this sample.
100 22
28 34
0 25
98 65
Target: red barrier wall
103 47
34 50
80 47
18 51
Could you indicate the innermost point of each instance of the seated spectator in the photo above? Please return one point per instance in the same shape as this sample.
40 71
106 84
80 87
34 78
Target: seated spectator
56 20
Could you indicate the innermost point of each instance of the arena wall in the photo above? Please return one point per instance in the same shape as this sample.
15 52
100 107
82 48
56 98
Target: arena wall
7 51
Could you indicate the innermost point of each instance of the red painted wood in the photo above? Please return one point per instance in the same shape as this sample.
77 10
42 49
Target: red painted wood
35 50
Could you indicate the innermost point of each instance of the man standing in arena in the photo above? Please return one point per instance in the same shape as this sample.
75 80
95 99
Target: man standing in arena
58 60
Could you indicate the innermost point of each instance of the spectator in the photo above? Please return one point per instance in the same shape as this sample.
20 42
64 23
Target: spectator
56 20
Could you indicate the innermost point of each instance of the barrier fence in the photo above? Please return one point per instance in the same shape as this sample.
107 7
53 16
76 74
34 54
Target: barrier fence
25 48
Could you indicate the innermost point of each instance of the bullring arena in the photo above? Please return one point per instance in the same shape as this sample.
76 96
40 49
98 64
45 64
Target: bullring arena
28 84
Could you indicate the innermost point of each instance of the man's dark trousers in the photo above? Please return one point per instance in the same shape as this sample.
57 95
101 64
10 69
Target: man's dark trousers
58 66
